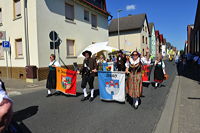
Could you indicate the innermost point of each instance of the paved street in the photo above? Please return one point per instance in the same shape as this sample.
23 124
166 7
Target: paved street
62 114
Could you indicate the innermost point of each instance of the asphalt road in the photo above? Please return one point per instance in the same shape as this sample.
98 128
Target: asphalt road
66 114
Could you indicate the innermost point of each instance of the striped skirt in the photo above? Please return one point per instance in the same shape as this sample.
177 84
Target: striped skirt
134 85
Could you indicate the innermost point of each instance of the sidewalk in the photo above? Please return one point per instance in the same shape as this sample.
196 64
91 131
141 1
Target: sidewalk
181 113
187 111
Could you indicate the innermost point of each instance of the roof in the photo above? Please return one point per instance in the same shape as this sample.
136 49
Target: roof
131 22
157 33
96 6
151 25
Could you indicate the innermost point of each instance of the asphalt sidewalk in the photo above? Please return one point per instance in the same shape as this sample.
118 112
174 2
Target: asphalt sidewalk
181 113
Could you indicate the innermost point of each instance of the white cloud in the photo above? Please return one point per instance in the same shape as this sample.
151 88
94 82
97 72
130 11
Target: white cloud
130 7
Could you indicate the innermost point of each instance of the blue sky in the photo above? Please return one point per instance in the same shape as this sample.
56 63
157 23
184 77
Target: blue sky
170 17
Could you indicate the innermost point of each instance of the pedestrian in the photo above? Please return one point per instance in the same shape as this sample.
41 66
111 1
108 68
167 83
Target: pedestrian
51 80
121 60
134 80
6 112
159 72
100 62
88 74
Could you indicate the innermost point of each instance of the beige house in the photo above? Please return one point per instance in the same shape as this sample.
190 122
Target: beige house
28 23
134 33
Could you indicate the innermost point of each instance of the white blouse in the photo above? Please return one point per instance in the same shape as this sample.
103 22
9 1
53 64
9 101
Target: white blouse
3 94
163 65
131 61
57 64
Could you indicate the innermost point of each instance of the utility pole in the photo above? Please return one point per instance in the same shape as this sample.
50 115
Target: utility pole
118 11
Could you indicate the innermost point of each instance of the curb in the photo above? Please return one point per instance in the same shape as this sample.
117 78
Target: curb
164 125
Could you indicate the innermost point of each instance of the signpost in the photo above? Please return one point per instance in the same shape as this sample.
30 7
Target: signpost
6 47
55 43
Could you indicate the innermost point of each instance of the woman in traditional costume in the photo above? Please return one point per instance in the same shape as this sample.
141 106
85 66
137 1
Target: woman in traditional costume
51 80
159 72
134 81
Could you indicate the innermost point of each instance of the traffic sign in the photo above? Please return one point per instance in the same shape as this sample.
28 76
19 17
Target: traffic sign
6 44
53 35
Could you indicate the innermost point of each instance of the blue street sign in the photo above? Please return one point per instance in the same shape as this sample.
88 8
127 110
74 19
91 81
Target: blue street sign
6 44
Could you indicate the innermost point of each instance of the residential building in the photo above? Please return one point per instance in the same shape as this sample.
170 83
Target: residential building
197 30
158 43
134 33
188 43
152 39
28 23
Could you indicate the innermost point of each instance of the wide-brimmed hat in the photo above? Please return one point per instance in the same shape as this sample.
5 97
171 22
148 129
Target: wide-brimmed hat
87 51
120 51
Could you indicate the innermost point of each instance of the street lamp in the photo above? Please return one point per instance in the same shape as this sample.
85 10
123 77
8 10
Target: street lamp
118 11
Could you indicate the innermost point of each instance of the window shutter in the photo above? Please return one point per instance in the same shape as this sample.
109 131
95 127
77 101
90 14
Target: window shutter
94 20
19 48
70 48
86 15
17 8
69 11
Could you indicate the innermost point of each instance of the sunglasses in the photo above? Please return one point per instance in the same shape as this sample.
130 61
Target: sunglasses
135 54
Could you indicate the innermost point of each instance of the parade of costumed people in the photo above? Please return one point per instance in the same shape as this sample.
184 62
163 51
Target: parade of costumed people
88 74
51 80
159 72
134 81
6 112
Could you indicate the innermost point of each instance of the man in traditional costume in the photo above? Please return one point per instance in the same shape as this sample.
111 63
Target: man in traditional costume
88 74
121 60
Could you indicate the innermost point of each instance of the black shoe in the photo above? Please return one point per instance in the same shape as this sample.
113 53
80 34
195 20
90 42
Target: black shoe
84 98
91 99
48 95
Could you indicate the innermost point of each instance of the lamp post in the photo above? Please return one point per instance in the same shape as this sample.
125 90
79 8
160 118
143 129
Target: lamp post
118 11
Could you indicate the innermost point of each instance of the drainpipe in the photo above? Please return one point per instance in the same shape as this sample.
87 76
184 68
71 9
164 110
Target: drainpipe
26 33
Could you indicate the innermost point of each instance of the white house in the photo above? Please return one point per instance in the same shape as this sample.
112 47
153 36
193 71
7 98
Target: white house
134 33
28 23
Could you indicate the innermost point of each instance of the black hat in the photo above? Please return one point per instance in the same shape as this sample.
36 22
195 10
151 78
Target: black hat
89 52
120 51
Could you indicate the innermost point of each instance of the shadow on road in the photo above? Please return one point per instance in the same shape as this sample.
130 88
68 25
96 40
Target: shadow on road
17 125
194 98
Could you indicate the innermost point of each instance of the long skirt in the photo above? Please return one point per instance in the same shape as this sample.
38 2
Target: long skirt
158 74
134 85
51 80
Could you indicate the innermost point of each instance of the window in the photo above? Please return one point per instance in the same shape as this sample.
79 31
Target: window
86 15
94 21
17 9
18 48
69 11
0 16
1 51
146 40
70 48
142 39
